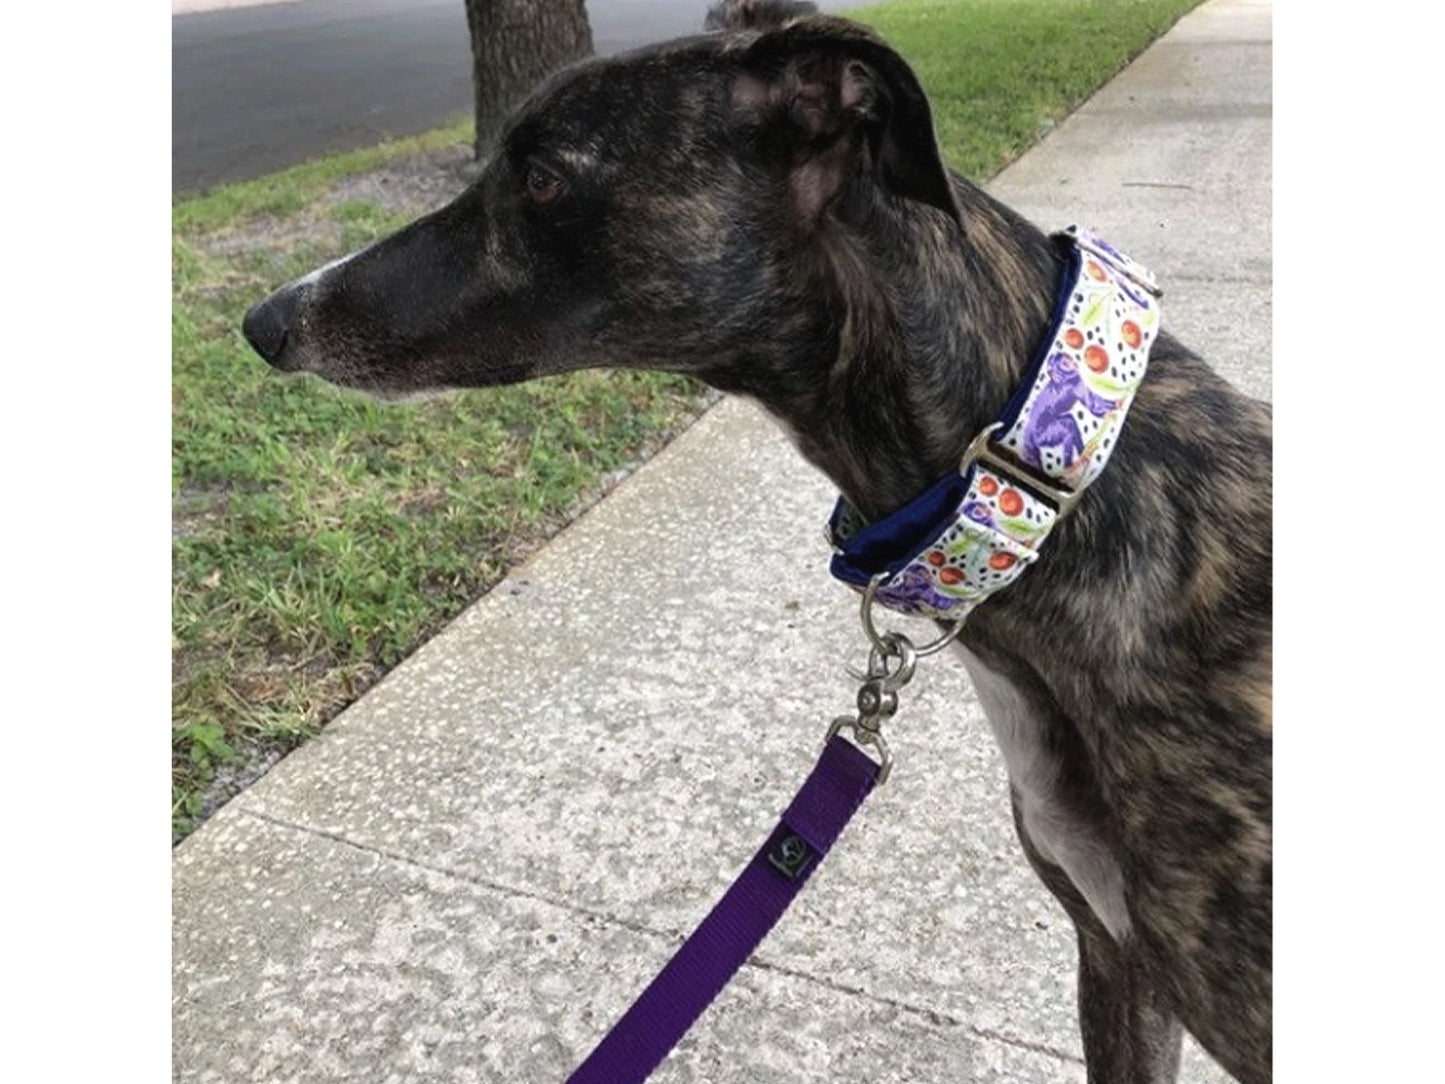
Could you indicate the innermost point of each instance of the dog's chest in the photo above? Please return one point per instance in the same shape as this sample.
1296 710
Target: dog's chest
1054 825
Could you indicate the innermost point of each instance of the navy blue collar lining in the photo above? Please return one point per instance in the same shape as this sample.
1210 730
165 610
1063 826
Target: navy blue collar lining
893 541
1063 291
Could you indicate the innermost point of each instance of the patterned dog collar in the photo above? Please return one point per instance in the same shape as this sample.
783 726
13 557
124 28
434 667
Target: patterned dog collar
972 533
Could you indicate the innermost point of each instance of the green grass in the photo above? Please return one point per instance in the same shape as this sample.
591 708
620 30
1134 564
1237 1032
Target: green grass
998 71
319 537
292 190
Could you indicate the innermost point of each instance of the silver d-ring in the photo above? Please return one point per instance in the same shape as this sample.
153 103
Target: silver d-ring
880 640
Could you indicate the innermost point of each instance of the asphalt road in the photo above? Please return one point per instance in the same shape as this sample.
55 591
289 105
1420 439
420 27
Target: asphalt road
256 89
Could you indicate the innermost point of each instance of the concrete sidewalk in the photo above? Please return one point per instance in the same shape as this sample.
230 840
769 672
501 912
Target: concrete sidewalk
475 868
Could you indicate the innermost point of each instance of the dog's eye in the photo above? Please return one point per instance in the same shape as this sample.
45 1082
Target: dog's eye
541 185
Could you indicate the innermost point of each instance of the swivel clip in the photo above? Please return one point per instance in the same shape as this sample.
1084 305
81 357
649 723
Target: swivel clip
891 664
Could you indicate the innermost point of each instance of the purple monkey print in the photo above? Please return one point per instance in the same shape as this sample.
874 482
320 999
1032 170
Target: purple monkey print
915 591
979 513
1050 424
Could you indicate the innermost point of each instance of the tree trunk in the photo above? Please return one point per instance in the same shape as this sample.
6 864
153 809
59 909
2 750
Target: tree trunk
515 44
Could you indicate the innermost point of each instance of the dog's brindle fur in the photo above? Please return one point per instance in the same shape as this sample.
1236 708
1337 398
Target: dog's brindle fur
766 208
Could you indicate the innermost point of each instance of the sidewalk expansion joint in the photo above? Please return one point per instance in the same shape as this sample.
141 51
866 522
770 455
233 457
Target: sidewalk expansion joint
442 871
932 1016
1227 280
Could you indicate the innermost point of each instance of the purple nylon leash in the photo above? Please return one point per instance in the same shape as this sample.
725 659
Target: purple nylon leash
696 974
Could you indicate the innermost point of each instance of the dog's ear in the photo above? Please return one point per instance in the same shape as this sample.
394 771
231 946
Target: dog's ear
844 102
755 14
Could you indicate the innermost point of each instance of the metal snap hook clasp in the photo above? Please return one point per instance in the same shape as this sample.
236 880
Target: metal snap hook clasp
891 665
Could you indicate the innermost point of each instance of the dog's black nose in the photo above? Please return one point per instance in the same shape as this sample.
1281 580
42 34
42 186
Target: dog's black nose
267 326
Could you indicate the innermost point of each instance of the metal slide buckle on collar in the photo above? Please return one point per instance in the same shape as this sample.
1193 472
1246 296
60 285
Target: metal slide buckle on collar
980 451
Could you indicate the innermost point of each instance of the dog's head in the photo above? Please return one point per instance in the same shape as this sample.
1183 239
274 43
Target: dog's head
651 210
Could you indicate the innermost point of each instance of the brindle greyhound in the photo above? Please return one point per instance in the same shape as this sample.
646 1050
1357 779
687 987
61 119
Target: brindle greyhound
765 208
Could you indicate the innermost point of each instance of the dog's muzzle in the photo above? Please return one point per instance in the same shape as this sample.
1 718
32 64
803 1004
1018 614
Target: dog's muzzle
268 327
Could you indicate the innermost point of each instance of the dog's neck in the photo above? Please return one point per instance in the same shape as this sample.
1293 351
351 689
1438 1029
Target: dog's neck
928 329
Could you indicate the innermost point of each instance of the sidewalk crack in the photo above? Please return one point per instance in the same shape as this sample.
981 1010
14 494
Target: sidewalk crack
933 1016
1228 280
442 871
